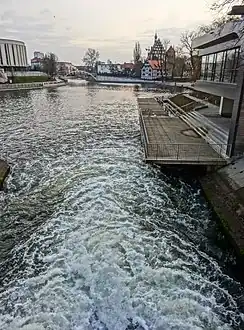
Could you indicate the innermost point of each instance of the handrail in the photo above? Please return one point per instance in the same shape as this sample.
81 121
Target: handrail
184 151
144 128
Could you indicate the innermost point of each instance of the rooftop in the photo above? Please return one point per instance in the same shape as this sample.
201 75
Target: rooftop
2 40
154 64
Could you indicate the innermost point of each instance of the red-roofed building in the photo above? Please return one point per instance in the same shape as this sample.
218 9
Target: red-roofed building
37 61
151 70
129 66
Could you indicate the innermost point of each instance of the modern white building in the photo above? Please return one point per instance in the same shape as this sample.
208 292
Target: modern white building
222 74
109 69
13 55
151 70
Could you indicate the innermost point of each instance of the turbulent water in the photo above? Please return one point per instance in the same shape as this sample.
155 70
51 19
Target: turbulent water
90 236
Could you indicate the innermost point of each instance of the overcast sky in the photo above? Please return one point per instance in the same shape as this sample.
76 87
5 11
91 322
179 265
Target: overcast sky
69 27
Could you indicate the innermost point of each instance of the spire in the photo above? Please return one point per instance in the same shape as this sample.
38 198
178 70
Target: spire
156 36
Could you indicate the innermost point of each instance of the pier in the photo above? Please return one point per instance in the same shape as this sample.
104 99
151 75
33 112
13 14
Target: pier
169 140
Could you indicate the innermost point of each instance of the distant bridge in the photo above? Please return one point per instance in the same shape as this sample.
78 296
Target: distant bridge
87 74
112 79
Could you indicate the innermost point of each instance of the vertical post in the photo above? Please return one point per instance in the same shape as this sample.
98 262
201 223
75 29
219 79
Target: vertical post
221 105
178 147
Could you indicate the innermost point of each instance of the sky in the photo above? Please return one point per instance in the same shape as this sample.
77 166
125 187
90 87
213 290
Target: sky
69 27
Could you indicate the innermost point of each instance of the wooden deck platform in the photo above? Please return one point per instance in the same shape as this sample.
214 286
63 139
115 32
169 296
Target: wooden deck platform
169 140
4 171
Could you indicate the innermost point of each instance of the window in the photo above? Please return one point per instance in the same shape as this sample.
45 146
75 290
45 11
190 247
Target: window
6 53
220 66
13 54
18 55
210 67
1 57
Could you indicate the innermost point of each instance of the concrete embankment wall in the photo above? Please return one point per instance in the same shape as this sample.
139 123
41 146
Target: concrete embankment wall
224 189
35 85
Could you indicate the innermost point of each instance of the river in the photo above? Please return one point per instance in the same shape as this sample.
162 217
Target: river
92 238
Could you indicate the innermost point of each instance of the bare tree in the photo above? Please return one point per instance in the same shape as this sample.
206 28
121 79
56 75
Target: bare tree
137 53
91 57
165 43
225 5
179 63
217 23
186 42
50 64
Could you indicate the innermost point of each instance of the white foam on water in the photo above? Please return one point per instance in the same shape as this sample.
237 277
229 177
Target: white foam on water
114 243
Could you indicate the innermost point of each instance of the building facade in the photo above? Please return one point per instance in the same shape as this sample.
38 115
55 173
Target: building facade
108 68
151 70
222 72
39 55
157 50
13 55
169 62
66 68
37 61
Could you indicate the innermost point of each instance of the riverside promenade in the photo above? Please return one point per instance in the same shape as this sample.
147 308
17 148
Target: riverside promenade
34 85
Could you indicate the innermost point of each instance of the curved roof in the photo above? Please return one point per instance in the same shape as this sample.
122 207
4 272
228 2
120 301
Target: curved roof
12 41
228 32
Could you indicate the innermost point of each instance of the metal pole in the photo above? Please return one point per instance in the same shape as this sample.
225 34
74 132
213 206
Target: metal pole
178 147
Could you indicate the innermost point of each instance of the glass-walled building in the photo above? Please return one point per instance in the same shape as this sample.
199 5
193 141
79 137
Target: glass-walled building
222 74
221 66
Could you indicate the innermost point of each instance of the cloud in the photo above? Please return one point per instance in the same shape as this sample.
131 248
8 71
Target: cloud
68 28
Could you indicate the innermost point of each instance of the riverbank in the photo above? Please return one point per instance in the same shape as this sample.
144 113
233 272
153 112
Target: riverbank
224 190
34 85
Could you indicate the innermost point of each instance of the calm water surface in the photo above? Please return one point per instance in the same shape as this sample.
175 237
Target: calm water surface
91 237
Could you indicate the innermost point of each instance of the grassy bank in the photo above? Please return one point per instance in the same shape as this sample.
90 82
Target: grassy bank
29 79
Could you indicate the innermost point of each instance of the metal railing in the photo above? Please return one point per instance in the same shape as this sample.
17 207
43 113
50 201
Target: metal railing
185 151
